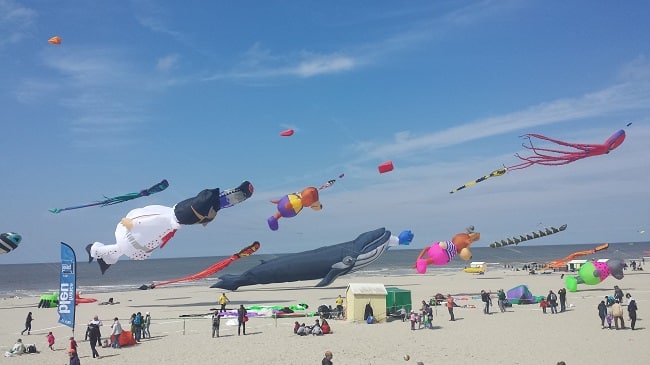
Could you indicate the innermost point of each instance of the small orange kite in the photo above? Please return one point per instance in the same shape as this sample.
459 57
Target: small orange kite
55 40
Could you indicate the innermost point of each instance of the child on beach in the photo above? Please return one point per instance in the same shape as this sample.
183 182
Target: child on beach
73 345
50 341
609 318
543 303
414 319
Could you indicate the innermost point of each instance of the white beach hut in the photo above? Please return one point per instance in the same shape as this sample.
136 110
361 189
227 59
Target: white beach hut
359 294
574 265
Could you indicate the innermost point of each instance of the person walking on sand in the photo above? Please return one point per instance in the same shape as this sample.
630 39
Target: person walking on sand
50 341
485 297
216 321
631 311
137 323
74 359
543 304
28 324
617 313
94 338
413 317
327 360
223 300
97 323
73 345
116 332
146 323
602 312
551 298
501 296
242 318
450 307
618 293
562 294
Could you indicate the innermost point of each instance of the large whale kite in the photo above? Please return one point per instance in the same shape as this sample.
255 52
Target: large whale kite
325 263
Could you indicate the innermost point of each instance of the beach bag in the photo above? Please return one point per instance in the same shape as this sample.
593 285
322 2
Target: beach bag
31 349
244 319
369 320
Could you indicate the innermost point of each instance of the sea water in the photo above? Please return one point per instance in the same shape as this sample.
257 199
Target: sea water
37 279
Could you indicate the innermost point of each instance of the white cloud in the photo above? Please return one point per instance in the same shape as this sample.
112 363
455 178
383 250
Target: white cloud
167 63
627 96
101 95
261 63
323 65
16 22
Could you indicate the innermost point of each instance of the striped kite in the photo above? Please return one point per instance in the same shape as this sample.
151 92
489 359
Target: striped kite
527 237
9 242
498 172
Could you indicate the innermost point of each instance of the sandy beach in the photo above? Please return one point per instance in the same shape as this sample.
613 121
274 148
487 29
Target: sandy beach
522 335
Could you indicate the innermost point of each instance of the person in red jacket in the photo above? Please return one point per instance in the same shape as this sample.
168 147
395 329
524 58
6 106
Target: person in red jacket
450 307
325 327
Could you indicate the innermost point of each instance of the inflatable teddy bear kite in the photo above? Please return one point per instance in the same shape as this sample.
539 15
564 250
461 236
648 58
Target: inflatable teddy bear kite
291 204
440 253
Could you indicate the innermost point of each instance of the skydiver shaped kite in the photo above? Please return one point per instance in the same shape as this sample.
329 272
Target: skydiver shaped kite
145 229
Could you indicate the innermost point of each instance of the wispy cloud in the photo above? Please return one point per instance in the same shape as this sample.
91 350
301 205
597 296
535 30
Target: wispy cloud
258 62
167 63
102 96
477 11
16 22
631 94
152 16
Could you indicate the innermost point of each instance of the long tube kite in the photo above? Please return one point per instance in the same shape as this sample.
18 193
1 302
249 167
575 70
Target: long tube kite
212 269
494 173
555 157
118 199
562 262
527 237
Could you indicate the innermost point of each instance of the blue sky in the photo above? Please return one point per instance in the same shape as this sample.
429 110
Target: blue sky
197 92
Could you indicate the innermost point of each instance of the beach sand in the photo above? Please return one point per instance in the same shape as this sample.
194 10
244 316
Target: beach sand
522 335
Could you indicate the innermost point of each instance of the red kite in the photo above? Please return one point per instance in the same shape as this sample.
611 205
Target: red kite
287 133
385 167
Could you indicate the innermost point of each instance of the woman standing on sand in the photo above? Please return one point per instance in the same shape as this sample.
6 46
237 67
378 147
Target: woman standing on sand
602 312
631 310
242 318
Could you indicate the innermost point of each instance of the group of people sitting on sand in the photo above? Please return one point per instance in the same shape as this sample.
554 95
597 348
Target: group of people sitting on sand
19 348
317 329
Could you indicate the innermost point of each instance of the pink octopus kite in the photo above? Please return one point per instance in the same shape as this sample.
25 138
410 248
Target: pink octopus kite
554 157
